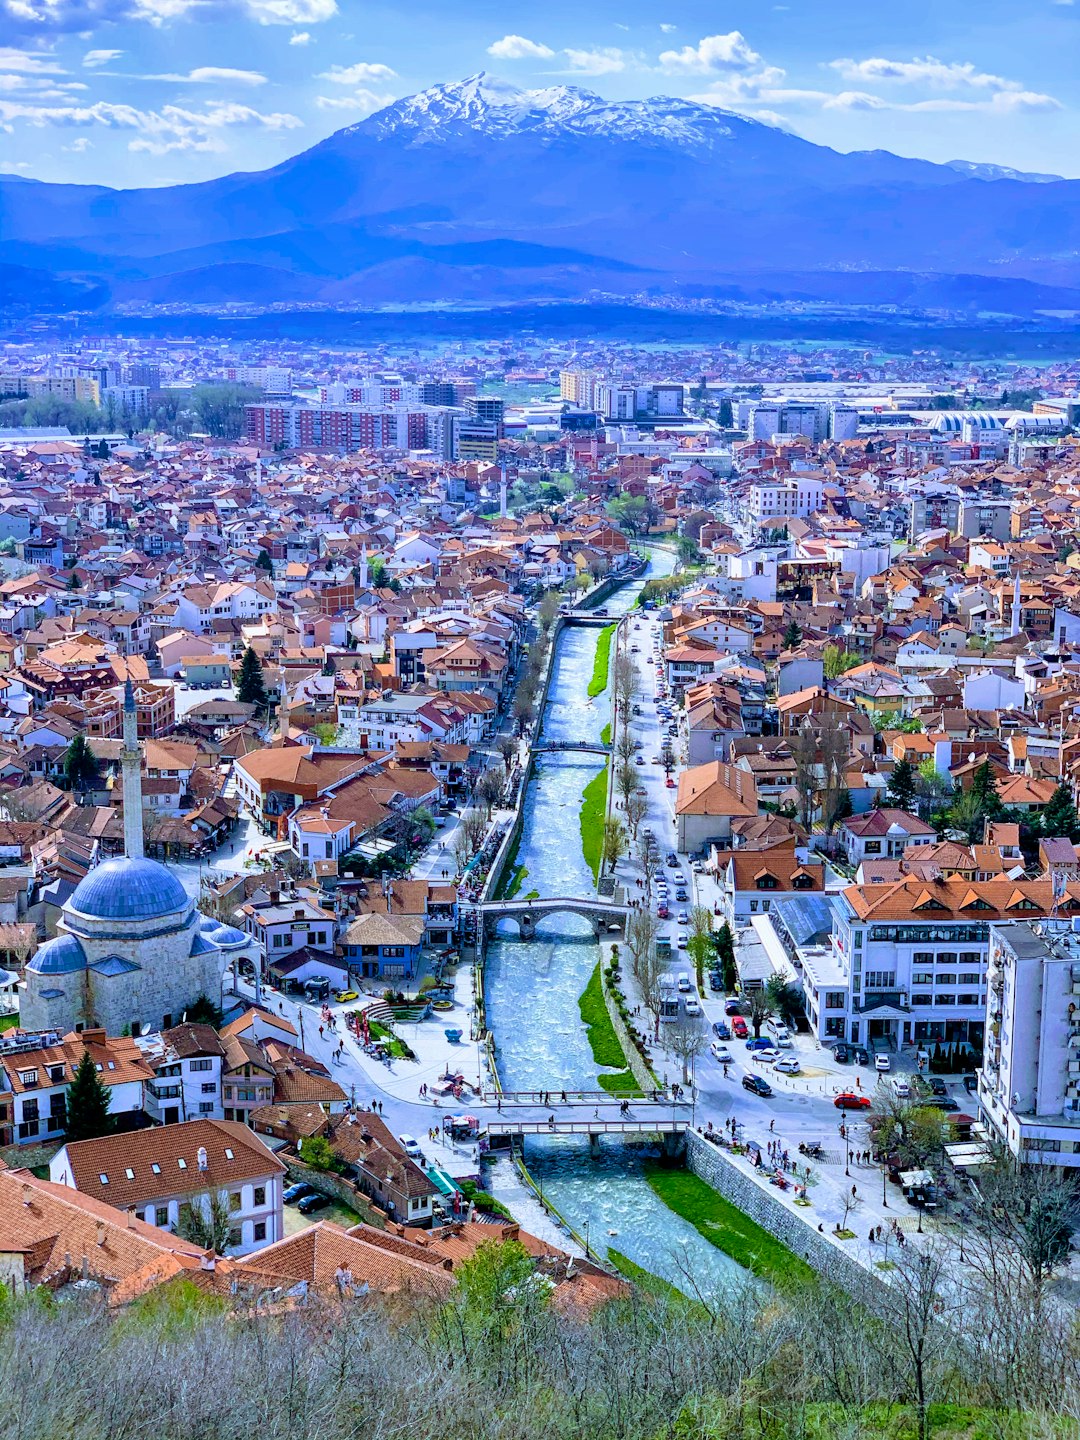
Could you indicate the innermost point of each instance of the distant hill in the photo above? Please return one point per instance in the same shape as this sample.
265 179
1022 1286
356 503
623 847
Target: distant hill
478 189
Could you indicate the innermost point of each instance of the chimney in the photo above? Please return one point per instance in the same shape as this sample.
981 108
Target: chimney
131 1218
208 1262
27 1193
100 1236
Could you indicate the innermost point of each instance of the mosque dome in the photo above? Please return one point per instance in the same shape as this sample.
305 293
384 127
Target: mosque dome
128 890
63 955
225 936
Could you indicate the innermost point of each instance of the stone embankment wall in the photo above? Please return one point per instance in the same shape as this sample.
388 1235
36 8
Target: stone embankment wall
825 1255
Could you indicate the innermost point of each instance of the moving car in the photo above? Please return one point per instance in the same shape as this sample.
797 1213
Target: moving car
292 1193
345 995
767 1057
682 917
721 1053
732 1006
901 1088
787 1065
848 1100
684 983
757 1085
670 783
311 1202
882 1063
692 1005
680 939
411 1146
722 1028
681 893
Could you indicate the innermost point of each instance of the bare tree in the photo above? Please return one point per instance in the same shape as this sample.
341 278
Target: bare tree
473 826
834 743
626 781
761 1007
625 680
803 746
916 1342
488 789
507 747
613 846
637 807
686 1037
624 745
206 1220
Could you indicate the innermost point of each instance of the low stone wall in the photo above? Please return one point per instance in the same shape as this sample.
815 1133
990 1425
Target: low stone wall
334 1186
711 1164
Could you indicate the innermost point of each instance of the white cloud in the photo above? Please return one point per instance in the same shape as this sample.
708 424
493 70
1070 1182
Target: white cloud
44 17
668 29
41 87
948 75
359 74
78 146
606 61
714 52
93 58
361 102
13 167
158 132
302 37
27 64
211 75
516 47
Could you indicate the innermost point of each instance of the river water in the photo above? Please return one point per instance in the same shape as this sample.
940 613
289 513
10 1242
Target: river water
532 989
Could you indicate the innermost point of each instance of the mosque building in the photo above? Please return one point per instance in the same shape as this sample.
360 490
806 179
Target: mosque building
132 952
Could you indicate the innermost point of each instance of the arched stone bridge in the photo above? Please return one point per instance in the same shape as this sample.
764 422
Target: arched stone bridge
528 913
562 747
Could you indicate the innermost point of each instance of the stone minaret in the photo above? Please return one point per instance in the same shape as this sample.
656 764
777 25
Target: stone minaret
1014 623
363 568
132 768
502 494
283 709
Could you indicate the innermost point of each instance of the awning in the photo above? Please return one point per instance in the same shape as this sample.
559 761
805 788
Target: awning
441 1180
916 1179
969 1155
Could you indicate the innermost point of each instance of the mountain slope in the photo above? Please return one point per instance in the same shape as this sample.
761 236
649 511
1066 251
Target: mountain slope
481 183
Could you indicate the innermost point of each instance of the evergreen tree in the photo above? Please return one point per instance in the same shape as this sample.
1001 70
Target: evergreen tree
264 562
725 954
88 1101
1060 818
250 687
725 417
900 791
792 636
81 769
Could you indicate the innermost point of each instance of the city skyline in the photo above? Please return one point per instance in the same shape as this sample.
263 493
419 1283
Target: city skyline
153 92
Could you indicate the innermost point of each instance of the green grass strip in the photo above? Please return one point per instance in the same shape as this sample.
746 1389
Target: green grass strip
645 1280
621 1083
517 879
602 662
593 808
725 1226
605 734
603 1041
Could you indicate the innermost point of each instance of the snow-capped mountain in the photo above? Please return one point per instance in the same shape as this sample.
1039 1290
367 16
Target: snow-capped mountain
481 190
492 107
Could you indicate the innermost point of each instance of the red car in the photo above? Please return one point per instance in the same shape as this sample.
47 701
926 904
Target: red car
670 783
662 912
739 1027
848 1100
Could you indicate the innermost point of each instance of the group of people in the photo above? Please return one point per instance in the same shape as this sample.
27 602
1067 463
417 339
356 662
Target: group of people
880 1234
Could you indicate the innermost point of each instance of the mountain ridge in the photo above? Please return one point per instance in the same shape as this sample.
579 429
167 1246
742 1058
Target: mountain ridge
583 194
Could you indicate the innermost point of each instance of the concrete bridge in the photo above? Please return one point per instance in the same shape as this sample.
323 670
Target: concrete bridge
527 913
561 747
518 1115
589 617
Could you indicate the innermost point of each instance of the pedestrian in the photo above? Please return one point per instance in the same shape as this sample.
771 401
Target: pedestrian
858 1082
320 1032
854 1192
772 1124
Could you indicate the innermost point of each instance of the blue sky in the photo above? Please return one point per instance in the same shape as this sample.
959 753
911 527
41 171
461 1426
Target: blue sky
150 92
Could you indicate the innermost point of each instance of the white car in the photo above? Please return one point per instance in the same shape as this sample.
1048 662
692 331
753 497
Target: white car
901 1088
721 1053
882 1063
692 1005
411 1146
787 1065
682 917
766 1057
784 1042
680 939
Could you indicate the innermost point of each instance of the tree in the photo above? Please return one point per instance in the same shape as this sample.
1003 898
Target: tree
206 1220
203 1011
1030 1208
613 845
785 998
761 1008
316 1151
488 789
900 791
1060 818
625 683
699 943
637 807
686 1037
507 747
626 781
803 747
792 636
88 1101
837 661
725 955
834 745
250 686
687 550
81 769
263 562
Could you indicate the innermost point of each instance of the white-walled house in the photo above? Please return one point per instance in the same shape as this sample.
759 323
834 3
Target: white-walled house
35 1072
156 1173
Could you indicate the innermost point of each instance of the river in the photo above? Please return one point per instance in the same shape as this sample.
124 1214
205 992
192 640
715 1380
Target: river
532 990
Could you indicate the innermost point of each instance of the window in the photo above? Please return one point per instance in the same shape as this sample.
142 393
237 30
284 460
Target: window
922 999
967 999
279 940
922 977
258 1195
835 999
27 1077
260 1230
946 999
206 1107
182 1163
156 1168
235 1200
947 957
946 979
970 957
235 1239
201 1064
103 1178
872 847
922 957
210 1089
161 1215
880 979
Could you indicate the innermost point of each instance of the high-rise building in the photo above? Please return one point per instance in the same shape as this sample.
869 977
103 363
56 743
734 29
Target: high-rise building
578 387
488 408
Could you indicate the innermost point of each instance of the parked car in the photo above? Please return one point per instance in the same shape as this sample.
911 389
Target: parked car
943 1102
311 1202
937 1085
860 1055
411 1146
787 1065
723 1029
901 1088
757 1085
768 1056
292 1193
739 1027
882 1063
759 1042
841 1053
343 996
848 1100
732 1006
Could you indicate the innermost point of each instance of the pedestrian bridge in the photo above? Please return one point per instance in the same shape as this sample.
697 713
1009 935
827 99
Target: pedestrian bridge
528 913
658 1125
560 747
589 617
